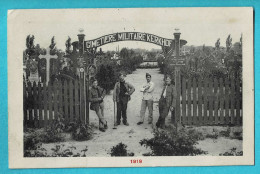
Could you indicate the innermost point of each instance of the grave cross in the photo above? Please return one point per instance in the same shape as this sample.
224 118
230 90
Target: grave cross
48 57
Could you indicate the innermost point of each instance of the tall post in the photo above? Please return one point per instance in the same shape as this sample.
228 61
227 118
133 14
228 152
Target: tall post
84 75
176 113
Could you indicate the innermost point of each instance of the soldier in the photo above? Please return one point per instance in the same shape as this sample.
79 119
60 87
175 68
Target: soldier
167 101
147 100
96 96
121 95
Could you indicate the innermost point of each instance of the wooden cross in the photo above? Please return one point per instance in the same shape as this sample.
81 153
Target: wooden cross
48 58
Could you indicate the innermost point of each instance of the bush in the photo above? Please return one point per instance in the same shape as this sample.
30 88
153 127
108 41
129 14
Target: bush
120 150
232 152
54 132
171 143
81 132
57 151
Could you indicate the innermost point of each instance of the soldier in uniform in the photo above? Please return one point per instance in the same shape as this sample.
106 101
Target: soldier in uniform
167 101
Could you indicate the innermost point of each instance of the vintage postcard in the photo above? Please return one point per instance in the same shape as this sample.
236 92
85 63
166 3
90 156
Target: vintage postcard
130 87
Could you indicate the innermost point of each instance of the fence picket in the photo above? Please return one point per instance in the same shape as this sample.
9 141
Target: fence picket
184 101
199 102
216 101
35 106
205 101
227 101
40 104
222 98
76 99
194 101
25 102
60 100
71 103
50 101
66 98
30 104
238 100
55 100
189 118
232 102
45 104
210 96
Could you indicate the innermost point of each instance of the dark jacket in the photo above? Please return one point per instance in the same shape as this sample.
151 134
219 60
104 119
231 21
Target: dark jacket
170 95
130 89
95 93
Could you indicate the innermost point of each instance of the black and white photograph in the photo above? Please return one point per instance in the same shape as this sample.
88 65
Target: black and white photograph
130 87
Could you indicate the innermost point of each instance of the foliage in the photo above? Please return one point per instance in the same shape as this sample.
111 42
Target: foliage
106 77
232 152
120 150
54 132
80 131
173 143
57 151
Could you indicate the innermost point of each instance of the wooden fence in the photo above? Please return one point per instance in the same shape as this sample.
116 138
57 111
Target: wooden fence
209 101
44 103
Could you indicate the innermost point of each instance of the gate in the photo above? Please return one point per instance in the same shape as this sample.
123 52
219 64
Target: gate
209 101
44 103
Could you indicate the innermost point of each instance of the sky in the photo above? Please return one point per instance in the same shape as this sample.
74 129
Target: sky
198 26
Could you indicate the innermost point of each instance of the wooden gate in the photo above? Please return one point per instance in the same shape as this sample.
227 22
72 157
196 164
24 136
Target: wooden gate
209 101
44 103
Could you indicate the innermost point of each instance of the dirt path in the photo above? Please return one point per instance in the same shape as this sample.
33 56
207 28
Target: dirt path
131 135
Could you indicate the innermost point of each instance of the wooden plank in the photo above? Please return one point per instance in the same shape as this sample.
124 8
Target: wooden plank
227 101
55 100
30 105
189 118
25 101
184 117
71 103
66 104
45 104
77 99
205 101
238 101
194 101
60 99
200 102
210 96
40 104
50 101
35 106
222 99
216 101
232 102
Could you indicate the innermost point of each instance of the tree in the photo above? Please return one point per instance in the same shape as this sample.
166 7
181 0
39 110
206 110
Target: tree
228 43
217 44
29 52
52 46
68 46
124 53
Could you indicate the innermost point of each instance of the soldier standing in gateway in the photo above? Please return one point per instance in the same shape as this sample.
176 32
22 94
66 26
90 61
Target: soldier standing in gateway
147 100
121 95
167 101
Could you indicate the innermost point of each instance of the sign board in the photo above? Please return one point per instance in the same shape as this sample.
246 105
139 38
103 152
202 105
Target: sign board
128 36
177 62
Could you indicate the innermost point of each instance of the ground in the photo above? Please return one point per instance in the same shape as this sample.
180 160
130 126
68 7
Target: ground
131 135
